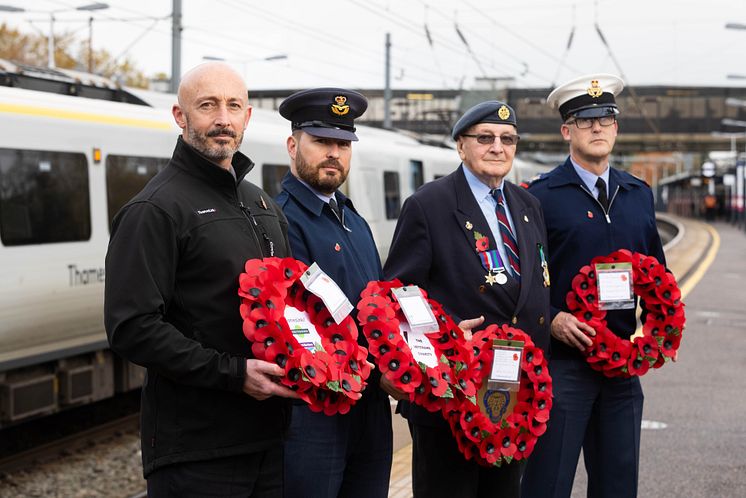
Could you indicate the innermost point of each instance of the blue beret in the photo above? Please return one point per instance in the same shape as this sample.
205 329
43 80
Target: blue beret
324 112
492 111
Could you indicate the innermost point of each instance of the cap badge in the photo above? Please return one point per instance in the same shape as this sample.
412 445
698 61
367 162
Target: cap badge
340 108
595 90
503 112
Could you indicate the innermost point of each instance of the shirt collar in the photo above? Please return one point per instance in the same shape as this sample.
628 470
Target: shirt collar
478 188
325 198
588 178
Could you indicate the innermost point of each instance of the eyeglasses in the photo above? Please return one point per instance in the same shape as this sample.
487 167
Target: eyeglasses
490 139
584 123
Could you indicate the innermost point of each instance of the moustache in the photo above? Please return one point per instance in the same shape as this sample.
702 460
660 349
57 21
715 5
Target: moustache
331 163
221 132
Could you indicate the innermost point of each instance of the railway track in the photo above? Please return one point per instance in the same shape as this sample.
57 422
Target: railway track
65 446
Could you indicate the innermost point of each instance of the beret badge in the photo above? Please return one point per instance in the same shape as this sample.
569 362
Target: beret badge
503 112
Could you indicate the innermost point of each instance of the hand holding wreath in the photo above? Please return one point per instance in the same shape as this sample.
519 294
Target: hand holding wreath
663 317
329 376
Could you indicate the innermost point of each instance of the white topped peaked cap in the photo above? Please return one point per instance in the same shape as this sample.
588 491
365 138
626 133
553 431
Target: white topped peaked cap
589 96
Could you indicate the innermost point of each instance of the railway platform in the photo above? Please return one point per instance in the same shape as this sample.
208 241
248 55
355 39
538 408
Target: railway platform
694 435
694 438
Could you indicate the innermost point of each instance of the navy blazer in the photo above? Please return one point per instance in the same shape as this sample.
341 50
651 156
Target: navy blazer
579 230
434 247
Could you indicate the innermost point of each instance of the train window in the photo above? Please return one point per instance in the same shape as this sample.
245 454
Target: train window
43 197
416 175
392 197
272 175
126 176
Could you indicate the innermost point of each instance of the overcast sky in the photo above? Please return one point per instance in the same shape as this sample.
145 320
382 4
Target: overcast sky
341 42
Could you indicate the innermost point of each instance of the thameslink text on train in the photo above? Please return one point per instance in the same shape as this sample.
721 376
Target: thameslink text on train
85 276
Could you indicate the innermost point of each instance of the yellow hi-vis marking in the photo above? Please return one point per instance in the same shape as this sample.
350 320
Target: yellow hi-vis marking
83 116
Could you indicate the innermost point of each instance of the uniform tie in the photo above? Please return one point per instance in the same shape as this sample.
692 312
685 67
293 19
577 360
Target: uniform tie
335 208
603 197
509 240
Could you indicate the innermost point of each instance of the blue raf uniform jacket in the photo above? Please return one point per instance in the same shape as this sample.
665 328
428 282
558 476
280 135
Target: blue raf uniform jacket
434 247
579 230
349 257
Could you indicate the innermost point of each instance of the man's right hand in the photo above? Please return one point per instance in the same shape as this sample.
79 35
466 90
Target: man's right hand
571 331
262 380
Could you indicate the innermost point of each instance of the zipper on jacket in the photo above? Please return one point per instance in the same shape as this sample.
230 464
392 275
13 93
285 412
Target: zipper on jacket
606 213
250 216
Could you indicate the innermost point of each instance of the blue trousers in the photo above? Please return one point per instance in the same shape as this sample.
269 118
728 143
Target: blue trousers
257 475
342 455
600 414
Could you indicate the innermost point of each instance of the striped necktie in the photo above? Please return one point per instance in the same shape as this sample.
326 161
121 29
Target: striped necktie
509 240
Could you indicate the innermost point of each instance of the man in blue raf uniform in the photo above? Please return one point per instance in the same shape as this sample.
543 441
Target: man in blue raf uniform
477 244
591 209
342 455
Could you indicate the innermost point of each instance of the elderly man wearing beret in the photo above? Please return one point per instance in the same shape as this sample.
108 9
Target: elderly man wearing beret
477 244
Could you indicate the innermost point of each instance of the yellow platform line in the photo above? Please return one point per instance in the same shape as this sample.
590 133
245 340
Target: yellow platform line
699 273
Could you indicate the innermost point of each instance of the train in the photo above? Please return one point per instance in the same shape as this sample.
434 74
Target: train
73 149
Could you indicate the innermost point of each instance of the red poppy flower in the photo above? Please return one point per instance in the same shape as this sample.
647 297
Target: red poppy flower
525 443
341 405
350 386
278 353
638 365
359 364
538 373
670 344
392 362
367 304
655 326
471 424
482 244
465 382
342 351
438 385
619 355
313 368
489 449
537 428
290 269
647 346
507 442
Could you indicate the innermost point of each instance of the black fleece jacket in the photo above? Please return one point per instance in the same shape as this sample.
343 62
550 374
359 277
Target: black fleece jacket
171 305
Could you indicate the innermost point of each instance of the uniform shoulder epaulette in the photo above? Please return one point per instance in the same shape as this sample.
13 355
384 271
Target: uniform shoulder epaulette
639 179
527 183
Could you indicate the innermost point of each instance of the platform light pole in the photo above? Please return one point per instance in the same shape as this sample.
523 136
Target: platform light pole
50 40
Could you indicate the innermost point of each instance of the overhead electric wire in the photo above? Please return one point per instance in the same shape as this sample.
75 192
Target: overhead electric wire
450 46
326 38
631 88
506 54
468 49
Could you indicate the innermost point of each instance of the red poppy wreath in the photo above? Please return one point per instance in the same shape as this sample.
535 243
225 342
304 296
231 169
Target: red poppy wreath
379 315
663 317
452 387
331 376
514 438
